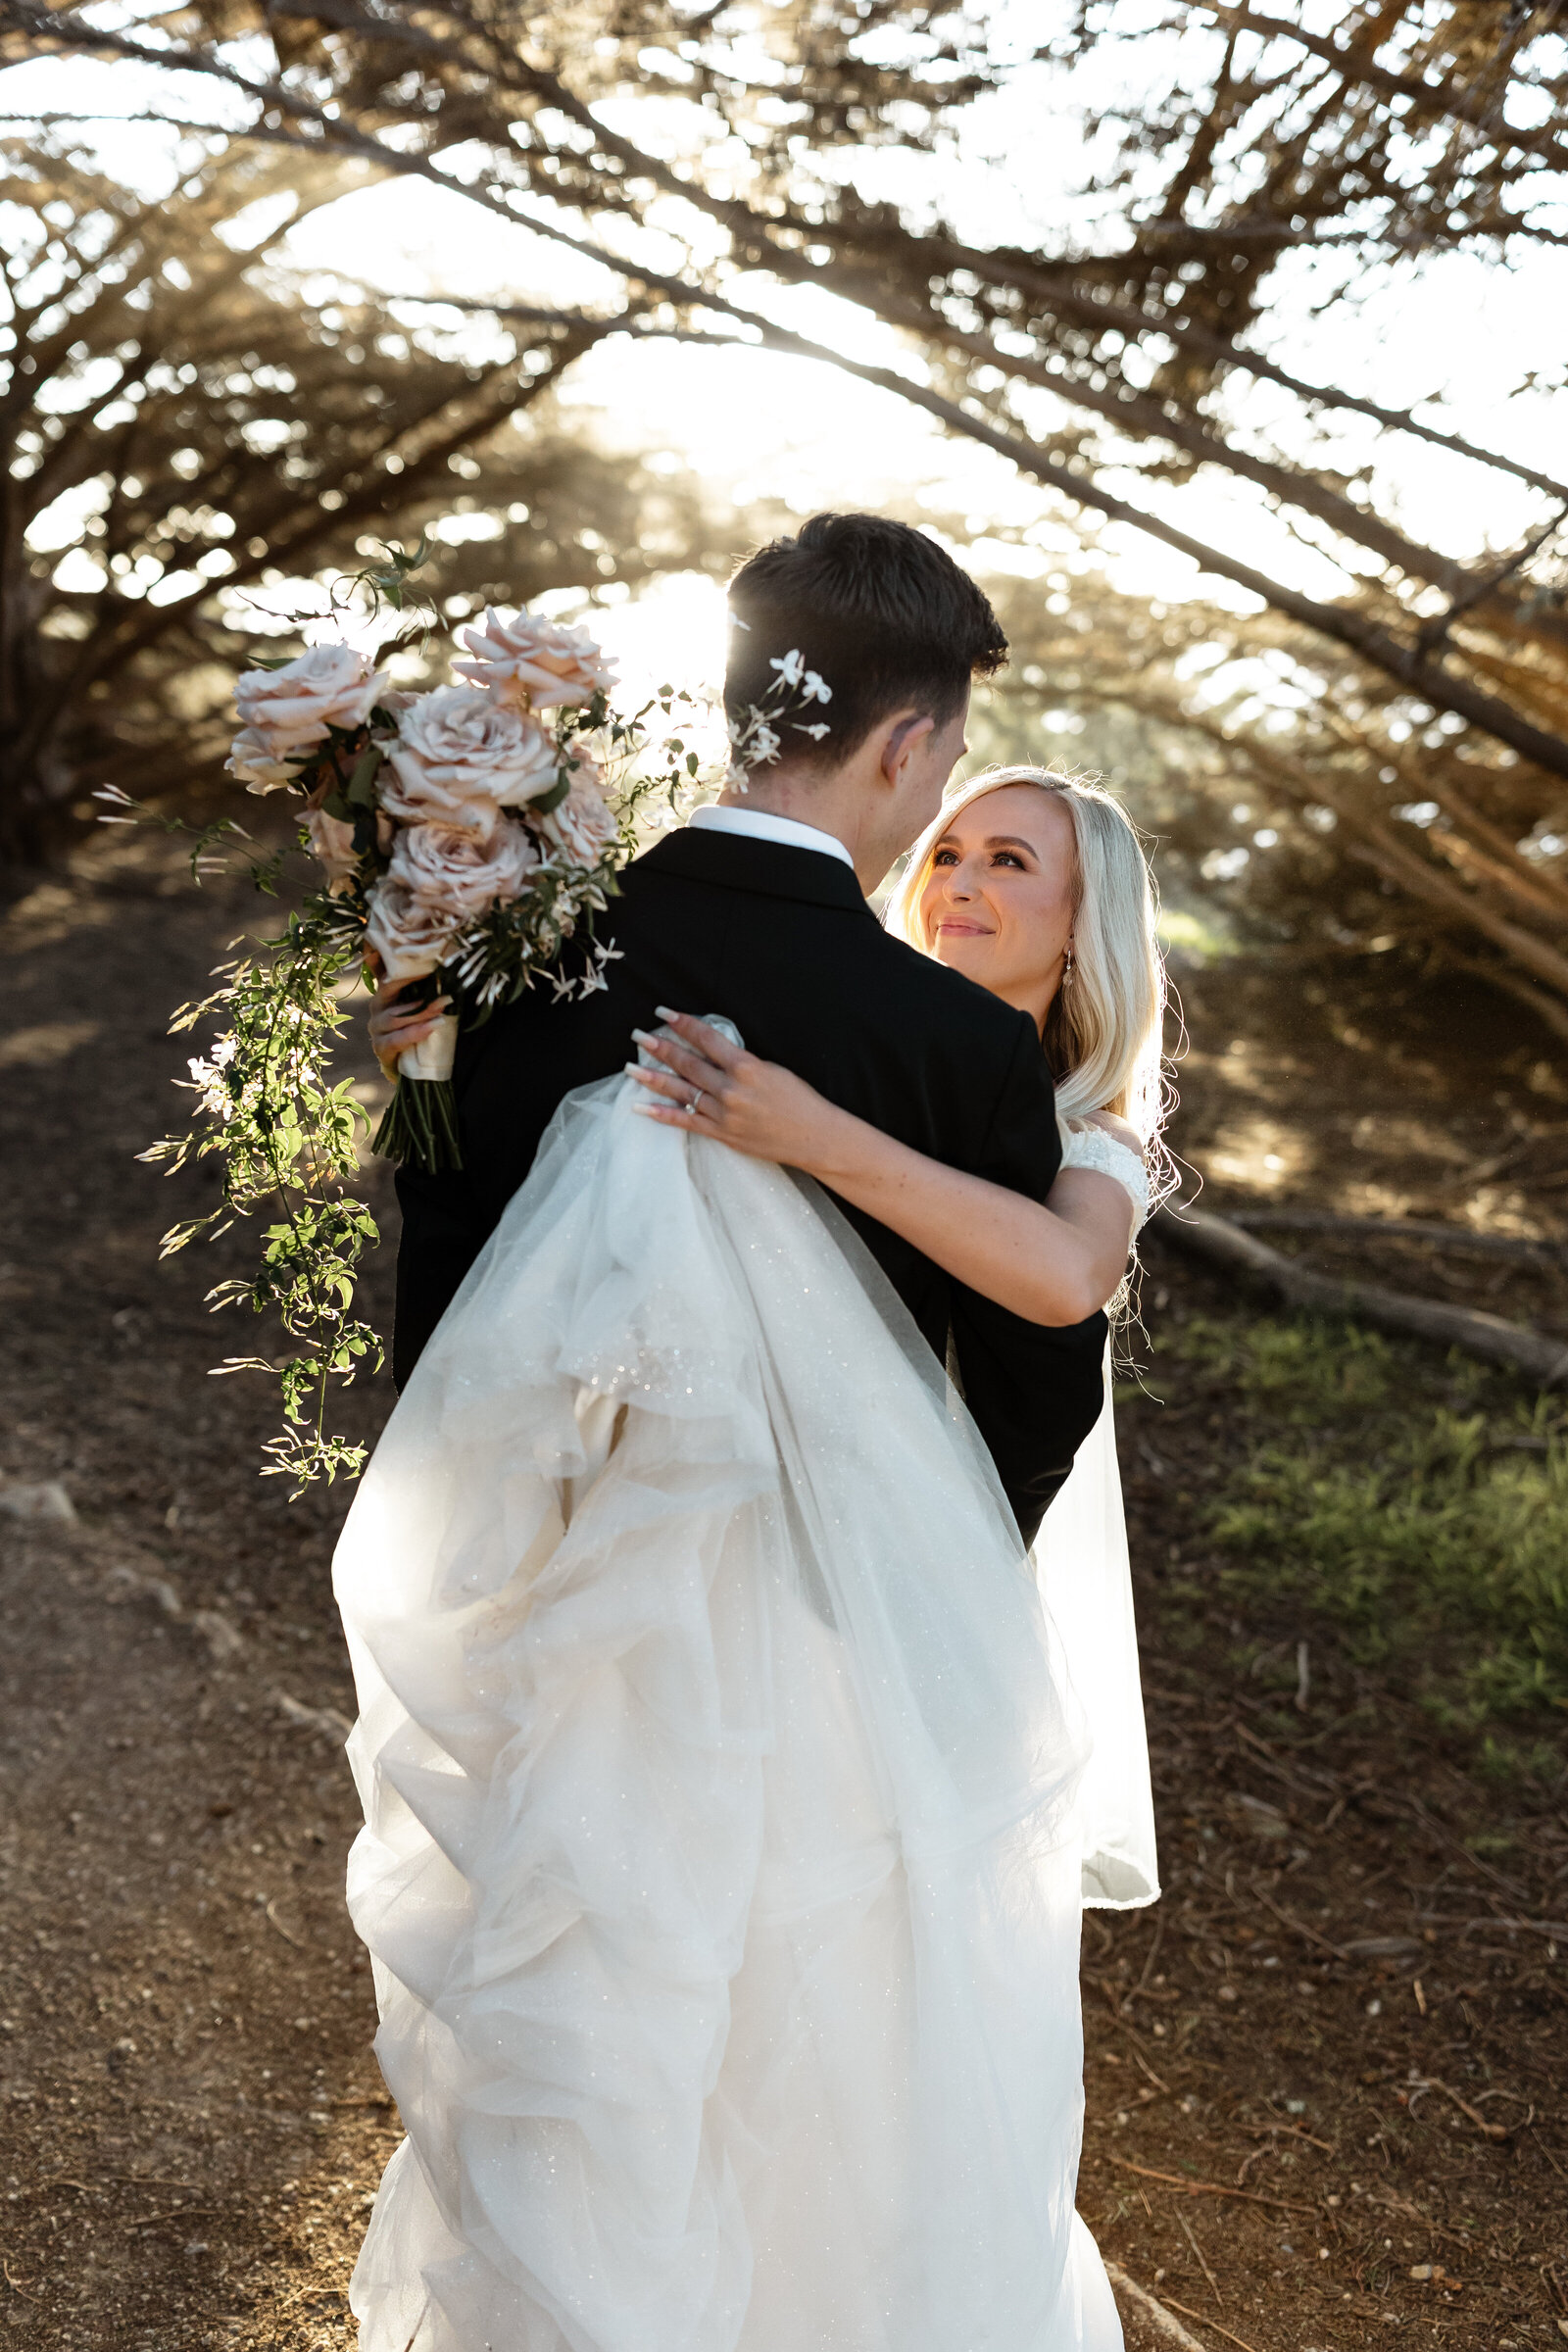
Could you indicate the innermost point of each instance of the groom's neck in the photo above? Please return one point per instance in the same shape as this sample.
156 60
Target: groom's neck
834 805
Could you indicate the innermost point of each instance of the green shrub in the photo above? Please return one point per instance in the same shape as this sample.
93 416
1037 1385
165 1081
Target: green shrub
1420 1507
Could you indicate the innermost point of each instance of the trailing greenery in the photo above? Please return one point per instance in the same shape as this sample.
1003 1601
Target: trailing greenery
1422 1507
285 1135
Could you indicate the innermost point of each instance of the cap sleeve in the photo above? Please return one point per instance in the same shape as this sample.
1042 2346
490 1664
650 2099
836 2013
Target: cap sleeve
1090 1146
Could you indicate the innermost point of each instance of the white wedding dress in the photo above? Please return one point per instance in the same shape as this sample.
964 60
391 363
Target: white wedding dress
727 1817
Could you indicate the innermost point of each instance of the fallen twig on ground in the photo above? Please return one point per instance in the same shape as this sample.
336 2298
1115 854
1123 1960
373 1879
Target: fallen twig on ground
1300 1925
14 2284
1166 2322
1209 2189
1203 2258
1220 2329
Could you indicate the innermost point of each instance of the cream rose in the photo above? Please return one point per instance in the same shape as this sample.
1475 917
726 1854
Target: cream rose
253 765
582 827
536 663
463 873
459 755
333 843
411 935
290 710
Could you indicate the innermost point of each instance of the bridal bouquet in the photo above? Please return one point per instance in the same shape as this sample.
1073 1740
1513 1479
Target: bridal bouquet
464 841
463 833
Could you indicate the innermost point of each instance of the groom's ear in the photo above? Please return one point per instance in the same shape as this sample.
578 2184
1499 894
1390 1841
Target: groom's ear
905 734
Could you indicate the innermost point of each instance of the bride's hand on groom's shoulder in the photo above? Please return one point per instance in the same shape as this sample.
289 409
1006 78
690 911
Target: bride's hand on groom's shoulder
714 1087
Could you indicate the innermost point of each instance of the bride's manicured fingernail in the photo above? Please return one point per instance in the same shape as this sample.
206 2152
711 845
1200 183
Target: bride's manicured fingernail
665 1015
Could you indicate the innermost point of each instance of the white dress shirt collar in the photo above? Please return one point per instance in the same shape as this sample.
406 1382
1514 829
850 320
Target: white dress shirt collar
762 825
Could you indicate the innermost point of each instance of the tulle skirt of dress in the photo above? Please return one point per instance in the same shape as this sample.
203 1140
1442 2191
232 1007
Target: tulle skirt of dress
720 1867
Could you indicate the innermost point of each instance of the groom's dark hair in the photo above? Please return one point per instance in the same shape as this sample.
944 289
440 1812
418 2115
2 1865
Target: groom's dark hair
879 609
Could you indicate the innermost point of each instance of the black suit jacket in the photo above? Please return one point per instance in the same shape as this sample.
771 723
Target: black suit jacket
782 940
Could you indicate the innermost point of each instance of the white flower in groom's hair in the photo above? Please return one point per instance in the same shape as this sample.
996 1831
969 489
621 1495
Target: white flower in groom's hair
289 710
459 755
538 663
809 684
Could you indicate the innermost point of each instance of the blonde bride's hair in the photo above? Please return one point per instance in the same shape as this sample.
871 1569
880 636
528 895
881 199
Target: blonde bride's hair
1105 1032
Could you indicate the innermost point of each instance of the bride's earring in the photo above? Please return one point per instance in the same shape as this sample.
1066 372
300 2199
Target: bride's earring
1070 964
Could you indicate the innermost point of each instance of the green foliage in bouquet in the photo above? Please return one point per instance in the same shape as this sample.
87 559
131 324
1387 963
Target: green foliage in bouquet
285 1136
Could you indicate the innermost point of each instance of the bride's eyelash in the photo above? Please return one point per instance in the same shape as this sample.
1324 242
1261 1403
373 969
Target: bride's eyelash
999 857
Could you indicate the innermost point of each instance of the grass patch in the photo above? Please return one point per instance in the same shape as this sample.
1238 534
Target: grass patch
1421 1507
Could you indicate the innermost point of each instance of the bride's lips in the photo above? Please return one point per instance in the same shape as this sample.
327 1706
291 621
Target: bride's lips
962 930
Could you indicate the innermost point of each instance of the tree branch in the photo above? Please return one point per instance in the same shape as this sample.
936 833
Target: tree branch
1426 98
1201 1234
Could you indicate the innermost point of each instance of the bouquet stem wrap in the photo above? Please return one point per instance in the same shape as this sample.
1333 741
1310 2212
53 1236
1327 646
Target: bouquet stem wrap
421 1122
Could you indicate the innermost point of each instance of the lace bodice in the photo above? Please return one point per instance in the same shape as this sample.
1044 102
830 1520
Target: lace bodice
1086 1146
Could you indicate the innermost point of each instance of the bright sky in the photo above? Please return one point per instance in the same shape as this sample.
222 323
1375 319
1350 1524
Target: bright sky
803 433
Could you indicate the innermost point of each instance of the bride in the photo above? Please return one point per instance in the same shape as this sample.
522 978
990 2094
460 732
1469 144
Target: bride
730 1796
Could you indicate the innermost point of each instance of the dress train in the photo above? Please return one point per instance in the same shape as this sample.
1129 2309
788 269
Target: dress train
723 1857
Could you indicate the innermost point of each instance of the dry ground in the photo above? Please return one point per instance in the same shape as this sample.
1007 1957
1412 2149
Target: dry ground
1325 2081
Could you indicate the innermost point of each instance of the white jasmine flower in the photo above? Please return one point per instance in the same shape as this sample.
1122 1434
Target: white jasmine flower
212 1095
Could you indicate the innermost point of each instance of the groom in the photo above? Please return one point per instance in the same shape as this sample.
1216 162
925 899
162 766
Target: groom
758 910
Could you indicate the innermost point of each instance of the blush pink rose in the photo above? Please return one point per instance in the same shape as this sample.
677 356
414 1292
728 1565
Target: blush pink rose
411 935
459 757
463 872
290 710
255 766
582 827
537 664
333 843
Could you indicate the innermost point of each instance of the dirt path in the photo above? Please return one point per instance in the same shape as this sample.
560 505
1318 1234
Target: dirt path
1325 2076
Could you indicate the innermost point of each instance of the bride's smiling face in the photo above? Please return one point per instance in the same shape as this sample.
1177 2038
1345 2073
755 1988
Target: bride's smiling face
1000 899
